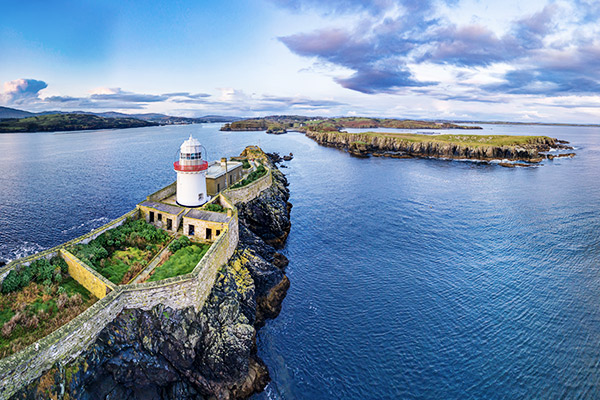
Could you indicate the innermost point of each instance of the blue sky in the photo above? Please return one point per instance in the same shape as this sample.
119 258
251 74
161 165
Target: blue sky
450 59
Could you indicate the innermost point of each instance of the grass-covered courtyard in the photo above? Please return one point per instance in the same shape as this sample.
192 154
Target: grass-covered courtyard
185 256
121 253
36 300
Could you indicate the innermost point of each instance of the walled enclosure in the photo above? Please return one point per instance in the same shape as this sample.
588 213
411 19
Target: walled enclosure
182 291
95 283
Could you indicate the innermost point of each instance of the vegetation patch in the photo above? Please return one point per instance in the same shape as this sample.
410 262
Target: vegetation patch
183 261
37 300
215 207
69 122
121 253
254 175
463 140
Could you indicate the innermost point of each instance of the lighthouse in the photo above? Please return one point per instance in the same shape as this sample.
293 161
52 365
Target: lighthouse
191 174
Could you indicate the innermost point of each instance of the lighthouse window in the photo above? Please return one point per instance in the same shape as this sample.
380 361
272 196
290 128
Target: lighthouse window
200 196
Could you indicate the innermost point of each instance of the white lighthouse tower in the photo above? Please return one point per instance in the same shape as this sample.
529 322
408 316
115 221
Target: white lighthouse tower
191 174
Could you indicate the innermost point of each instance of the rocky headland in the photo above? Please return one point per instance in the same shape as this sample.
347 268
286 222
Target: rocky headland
475 147
183 354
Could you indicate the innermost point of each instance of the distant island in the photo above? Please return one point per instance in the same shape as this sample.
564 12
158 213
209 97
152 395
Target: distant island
69 122
282 123
329 132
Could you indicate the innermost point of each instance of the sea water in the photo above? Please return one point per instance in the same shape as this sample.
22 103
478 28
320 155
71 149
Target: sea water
410 278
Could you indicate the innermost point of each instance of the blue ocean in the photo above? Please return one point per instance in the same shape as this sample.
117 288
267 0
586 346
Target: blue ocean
410 278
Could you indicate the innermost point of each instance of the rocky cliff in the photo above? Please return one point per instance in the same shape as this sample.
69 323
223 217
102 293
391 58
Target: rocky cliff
183 354
361 144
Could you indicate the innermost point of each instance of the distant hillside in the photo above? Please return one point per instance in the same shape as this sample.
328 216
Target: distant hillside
69 122
280 123
162 119
6 112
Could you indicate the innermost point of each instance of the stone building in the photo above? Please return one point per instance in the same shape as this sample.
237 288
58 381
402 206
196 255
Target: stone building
222 174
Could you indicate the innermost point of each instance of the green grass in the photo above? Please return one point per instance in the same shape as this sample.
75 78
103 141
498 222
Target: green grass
121 262
252 176
465 140
73 287
182 262
121 253
36 310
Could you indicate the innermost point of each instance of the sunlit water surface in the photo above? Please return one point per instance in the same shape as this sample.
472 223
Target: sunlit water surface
410 279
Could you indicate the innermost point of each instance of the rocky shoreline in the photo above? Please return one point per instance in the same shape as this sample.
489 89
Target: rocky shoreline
365 145
183 354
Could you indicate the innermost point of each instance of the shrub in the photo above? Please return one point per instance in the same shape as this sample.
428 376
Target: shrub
75 300
12 282
62 300
254 175
31 322
179 243
214 207
7 328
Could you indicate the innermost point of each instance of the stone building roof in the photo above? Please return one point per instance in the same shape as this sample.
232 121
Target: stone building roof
167 208
207 216
215 169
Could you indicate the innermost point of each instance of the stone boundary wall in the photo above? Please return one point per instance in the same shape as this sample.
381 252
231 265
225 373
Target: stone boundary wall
178 292
163 193
251 191
87 277
48 254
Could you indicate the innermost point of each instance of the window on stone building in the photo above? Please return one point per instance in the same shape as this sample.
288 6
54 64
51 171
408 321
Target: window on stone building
159 216
151 216
208 233
218 233
169 224
191 230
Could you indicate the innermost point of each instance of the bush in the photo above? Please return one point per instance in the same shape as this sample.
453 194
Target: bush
254 175
214 207
179 243
12 282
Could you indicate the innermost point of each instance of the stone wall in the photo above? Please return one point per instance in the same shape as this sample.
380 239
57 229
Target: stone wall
163 193
86 276
178 292
52 252
250 191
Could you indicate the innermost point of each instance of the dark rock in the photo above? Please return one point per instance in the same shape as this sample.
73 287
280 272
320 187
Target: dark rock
183 354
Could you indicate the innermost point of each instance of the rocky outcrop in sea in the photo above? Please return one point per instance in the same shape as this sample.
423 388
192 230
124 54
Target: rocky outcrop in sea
183 354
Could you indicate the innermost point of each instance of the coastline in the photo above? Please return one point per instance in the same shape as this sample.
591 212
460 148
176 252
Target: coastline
216 344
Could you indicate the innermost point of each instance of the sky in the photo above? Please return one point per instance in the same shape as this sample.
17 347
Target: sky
448 59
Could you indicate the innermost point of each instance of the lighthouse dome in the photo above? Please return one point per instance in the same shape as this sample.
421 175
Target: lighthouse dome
190 146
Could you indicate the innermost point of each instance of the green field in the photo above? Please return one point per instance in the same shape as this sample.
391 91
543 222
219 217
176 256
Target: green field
464 140
183 261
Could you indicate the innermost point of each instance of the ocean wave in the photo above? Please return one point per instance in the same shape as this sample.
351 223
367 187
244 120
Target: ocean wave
92 224
24 249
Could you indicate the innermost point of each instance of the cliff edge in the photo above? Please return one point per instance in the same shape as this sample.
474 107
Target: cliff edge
183 354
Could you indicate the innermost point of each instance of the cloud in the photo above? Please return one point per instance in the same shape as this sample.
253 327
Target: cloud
545 51
21 91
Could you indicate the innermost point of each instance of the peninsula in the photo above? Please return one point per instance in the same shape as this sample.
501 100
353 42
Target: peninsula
330 132
163 301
